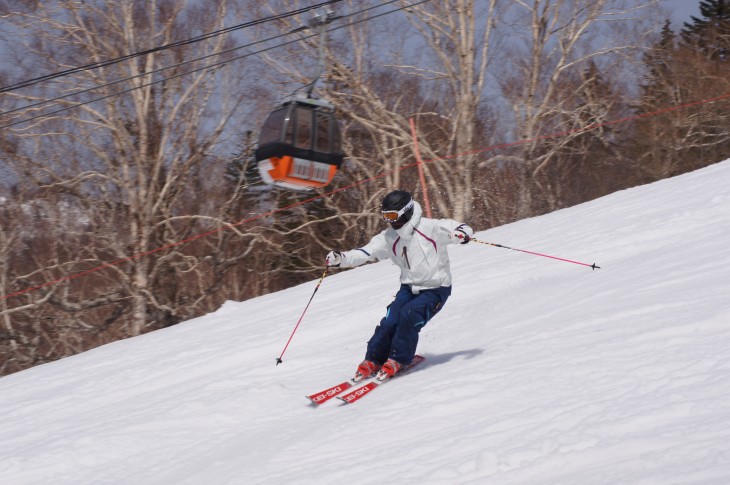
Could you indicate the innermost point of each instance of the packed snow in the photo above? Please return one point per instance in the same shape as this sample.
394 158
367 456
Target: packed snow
538 371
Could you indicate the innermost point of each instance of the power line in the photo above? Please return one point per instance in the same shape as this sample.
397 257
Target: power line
129 78
210 66
210 35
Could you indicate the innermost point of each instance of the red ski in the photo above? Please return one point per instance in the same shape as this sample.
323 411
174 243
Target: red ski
360 392
333 391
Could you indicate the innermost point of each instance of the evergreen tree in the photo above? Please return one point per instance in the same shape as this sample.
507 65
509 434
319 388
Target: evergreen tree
243 162
680 72
658 139
711 33
656 89
708 38
594 164
595 97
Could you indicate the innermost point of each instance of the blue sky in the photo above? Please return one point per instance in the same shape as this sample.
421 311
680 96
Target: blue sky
682 10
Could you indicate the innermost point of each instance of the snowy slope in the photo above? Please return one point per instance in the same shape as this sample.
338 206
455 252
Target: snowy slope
538 371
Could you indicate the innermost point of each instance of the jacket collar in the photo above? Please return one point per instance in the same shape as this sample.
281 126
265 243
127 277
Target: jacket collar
407 230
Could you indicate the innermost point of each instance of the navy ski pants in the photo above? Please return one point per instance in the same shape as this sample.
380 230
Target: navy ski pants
397 335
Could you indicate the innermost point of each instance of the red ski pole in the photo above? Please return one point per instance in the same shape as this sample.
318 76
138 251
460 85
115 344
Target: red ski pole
592 266
278 359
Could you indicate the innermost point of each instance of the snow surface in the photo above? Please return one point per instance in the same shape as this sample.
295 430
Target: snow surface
538 371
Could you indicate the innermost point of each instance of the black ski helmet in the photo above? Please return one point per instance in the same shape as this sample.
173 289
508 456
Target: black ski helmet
396 201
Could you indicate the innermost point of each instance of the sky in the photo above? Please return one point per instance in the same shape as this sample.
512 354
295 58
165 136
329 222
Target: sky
682 11
537 371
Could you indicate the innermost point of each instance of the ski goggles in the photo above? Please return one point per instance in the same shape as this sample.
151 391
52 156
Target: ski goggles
392 216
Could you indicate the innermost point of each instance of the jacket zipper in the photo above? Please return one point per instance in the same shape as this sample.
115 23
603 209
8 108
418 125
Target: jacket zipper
405 255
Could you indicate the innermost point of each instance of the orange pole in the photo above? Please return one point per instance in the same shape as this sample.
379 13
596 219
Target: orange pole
421 175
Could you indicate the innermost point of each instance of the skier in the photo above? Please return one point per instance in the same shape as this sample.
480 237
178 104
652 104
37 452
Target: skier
417 245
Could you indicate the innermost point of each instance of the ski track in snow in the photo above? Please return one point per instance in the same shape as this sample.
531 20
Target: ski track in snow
537 371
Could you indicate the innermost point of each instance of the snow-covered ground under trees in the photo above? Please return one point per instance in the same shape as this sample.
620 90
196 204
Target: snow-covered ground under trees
538 371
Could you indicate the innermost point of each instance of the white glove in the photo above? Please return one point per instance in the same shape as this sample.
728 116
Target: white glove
462 234
334 258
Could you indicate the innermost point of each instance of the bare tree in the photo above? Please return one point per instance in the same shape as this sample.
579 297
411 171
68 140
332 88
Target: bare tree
136 168
9 237
447 61
560 38
458 35
137 185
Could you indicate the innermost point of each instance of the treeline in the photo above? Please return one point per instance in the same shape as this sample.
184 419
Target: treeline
129 202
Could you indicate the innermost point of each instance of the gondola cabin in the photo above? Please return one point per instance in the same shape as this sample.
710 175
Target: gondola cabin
300 145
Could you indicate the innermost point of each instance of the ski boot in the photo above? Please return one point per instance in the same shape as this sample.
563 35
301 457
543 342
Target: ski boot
366 369
389 369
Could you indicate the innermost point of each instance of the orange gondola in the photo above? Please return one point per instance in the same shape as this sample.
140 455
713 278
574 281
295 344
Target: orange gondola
300 145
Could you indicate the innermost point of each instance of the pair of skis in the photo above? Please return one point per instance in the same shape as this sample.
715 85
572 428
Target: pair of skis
350 391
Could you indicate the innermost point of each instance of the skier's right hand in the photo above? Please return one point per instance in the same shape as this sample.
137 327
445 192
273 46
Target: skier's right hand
334 258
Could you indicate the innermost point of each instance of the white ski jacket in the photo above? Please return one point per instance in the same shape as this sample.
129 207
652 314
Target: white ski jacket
418 249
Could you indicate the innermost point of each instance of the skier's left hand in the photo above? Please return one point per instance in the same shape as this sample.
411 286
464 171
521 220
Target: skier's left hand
460 236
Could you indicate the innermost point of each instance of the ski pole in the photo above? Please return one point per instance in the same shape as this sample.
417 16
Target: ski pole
278 359
592 266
